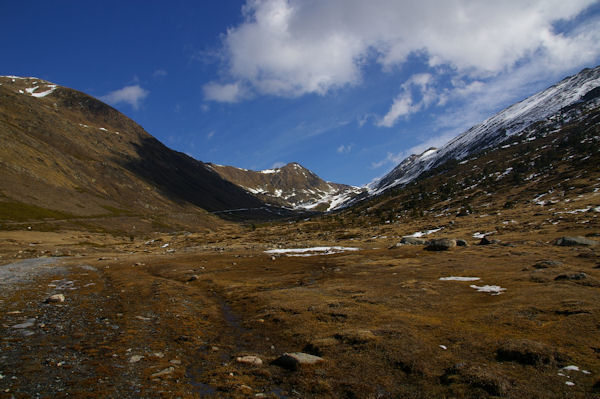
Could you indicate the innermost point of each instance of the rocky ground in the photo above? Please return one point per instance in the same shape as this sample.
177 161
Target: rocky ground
212 314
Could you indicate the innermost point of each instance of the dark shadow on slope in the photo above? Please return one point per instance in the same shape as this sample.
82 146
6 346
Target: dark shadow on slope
186 180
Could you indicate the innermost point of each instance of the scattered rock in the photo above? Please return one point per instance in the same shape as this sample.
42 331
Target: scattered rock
27 324
163 373
575 276
159 355
544 264
176 362
292 361
487 241
525 352
135 358
440 244
250 360
573 241
412 241
461 243
193 278
56 298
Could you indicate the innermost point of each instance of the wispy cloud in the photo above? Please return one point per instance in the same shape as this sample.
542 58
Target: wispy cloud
390 158
210 135
131 95
416 93
278 165
159 73
345 149
225 93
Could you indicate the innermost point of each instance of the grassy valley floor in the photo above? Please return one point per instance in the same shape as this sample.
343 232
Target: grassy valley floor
170 314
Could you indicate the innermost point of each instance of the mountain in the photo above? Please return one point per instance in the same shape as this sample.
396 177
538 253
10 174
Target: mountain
67 155
494 130
291 186
545 174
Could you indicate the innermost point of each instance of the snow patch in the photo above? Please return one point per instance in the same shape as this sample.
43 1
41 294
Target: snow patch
455 278
492 289
424 233
310 251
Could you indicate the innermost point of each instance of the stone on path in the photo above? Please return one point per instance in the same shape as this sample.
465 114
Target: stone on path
56 298
573 241
250 360
291 361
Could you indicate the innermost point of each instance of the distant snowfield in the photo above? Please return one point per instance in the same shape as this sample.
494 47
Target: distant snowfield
492 289
424 233
453 278
313 251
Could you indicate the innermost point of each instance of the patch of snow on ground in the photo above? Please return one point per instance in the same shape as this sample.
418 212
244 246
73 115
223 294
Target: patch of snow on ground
42 94
481 235
424 233
492 289
454 278
310 251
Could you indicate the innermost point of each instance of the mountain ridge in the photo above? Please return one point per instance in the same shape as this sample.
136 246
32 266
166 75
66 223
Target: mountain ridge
292 186
69 152
498 127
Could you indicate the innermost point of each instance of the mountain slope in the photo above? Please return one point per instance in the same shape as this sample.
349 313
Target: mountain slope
292 186
506 123
66 151
547 174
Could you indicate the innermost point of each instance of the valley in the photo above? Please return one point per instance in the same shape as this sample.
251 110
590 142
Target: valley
131 270
169 315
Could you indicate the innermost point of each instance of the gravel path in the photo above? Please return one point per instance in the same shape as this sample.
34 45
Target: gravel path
26 270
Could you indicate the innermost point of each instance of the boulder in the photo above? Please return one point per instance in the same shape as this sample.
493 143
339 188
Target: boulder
56 298
440 244
461 243
163 373
573 241
487 241
575 276
545 264
250 360
412 241
292 361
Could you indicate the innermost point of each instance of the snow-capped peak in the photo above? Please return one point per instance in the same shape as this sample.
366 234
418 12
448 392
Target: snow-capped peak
495 129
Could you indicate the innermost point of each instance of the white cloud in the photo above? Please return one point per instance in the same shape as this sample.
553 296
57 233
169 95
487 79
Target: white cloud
294 47
160 73
420 86
345 149
277 165
131 95
225 93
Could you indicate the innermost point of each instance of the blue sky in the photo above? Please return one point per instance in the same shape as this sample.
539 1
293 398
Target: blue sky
348 88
